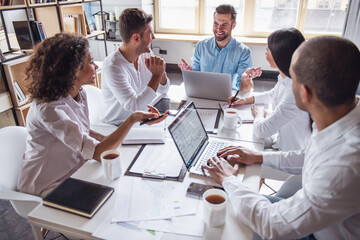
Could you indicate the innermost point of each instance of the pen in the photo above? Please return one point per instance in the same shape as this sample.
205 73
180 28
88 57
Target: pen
234 98
151 120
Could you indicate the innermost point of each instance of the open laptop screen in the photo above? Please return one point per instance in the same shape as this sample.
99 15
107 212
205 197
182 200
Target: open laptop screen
188 133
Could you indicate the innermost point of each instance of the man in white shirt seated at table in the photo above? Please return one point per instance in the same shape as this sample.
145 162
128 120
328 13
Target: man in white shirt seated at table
327 206
132 75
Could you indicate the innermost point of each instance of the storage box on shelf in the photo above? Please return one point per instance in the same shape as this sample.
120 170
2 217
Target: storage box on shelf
15 76
21 113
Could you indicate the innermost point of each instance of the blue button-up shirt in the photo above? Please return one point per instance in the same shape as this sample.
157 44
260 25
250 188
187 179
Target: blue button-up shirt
233 59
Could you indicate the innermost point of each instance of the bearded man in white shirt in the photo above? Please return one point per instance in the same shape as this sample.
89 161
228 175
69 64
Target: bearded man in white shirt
132 75
327 206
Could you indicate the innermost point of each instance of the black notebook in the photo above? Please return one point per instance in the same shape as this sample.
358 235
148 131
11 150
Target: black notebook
78 196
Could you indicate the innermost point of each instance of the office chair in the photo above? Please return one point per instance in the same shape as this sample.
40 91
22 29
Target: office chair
94 98
12 149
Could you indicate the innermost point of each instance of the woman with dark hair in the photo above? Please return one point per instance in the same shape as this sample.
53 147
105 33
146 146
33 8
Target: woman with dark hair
59 136
286 127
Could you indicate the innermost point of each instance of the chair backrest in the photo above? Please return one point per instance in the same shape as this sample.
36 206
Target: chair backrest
94 98
12 149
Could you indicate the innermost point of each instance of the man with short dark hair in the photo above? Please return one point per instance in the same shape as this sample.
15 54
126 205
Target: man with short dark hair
327 206
132 75
223 54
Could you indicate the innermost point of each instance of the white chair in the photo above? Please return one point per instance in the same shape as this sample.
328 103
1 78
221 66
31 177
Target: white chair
94 98
12 149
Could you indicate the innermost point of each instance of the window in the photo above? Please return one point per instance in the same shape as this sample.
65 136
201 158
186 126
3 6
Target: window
255 18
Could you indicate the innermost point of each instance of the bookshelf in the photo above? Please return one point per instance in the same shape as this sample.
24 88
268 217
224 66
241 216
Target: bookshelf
14 97
51 13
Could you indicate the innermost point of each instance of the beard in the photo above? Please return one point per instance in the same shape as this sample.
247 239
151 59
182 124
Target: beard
221 38
143 48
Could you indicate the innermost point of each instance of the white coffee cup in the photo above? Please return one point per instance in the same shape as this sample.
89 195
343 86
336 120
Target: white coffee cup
215 201
110 161
232 120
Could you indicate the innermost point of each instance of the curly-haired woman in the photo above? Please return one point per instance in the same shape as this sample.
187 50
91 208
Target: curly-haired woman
59 136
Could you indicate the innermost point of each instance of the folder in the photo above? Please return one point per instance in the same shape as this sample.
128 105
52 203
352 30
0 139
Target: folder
180 169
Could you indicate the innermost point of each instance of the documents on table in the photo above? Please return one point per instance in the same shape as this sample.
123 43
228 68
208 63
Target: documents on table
127 230
162 206
158 161
210 118
145 134
150 200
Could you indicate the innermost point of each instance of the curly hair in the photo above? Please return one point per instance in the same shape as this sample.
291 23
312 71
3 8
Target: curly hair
52 68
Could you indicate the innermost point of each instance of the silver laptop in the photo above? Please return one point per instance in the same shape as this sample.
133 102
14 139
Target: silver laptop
208 85
192 141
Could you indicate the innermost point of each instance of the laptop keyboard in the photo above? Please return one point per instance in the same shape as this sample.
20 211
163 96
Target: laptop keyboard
211 151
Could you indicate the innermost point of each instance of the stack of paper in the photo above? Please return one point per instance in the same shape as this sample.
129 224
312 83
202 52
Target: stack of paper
145 134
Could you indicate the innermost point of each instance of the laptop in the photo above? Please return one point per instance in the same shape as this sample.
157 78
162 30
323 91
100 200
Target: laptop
207 85
192 141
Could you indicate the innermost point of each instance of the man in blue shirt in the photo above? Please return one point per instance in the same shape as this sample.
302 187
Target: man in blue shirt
223 54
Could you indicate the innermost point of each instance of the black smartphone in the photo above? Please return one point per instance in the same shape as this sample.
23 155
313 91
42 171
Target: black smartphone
151 119
197 189
162 105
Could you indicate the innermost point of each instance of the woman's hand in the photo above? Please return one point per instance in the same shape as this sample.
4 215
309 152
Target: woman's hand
140 116
246 78
241 101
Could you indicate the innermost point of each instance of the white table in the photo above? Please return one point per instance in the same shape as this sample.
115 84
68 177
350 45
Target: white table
79 227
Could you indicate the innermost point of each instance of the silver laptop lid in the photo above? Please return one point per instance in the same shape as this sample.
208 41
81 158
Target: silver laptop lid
188 133
207 85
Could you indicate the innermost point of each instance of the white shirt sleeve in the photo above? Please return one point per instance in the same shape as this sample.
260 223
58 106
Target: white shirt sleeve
283 113
56 119
163 89
290 162
265 97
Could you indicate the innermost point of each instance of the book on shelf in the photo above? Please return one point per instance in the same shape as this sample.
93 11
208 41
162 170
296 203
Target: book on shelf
146 134
22 32
42 30
19 93
79 197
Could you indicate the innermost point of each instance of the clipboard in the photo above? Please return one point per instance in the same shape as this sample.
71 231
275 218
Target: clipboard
217 118
154 174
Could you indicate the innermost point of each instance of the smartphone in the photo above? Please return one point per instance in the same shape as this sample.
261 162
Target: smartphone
162 105
197 189
151 120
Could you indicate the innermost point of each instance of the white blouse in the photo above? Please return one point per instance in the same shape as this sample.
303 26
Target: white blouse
58 143
290 123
